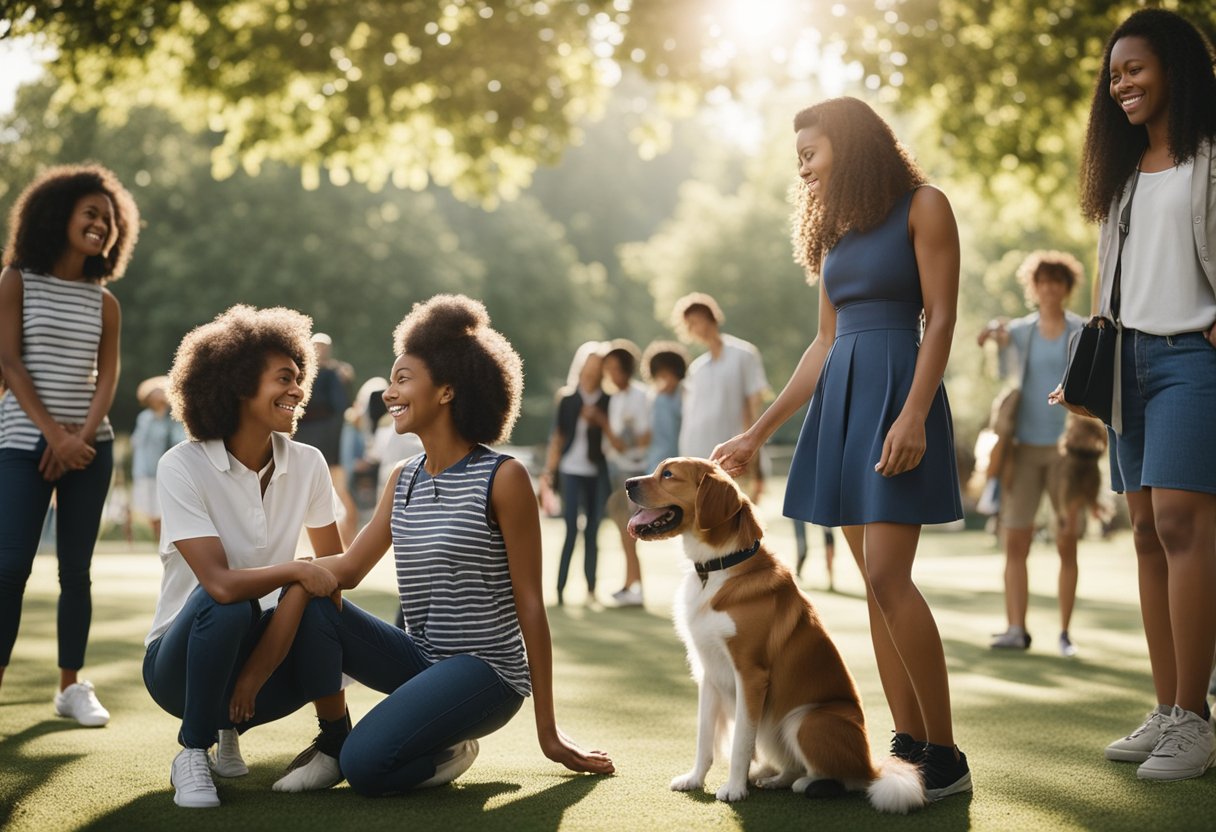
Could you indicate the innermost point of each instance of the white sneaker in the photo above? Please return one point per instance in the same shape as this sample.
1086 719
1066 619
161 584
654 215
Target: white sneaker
630 596
1136 746
318 771
451 763
191 776
225 758
1186 749
79 702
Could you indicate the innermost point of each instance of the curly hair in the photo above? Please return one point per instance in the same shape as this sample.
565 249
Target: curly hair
871 169
1051 265
451 334
665 355
38 221
1113 144
220 363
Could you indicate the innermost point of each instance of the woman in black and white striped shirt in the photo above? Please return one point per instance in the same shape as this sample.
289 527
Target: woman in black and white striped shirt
70 232
465 531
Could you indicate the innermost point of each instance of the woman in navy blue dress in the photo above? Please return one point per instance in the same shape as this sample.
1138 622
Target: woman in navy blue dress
876 453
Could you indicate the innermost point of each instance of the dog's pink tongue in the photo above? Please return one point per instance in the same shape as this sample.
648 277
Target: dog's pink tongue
643 517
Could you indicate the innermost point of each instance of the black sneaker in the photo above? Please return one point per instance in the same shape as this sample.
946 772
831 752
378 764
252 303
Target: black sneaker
906 748
944 773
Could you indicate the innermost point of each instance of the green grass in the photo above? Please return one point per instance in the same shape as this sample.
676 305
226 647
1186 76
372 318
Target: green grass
1033 725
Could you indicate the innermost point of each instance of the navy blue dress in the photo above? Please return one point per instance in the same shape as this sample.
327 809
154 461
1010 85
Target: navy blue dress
873 282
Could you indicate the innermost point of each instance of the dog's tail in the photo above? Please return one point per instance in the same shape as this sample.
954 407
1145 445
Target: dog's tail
898 788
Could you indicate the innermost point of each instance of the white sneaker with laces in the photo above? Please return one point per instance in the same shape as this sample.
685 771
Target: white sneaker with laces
79 702
1186 749
319 772
451 763
225 758
191 777
1136 746
630 596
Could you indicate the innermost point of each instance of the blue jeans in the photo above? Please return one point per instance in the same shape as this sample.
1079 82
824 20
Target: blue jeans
191 668
24 499
430 707
584 495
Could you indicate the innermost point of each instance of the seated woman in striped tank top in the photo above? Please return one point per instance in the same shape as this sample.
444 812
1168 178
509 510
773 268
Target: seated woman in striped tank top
70 232
465 531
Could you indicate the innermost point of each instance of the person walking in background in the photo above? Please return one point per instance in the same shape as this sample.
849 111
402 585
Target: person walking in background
665 364
829 551
626 429
1150 151
235 499
1034 348
877 457
156 431
465 531
575 465
321 425
70 232
724 386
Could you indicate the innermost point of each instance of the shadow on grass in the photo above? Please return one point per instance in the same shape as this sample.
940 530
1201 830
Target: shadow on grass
477 806
23 772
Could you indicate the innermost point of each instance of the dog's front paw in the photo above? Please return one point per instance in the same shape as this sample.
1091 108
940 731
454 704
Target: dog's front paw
732 792
688 782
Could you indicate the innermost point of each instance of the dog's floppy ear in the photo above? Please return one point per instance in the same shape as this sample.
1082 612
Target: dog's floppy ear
718 499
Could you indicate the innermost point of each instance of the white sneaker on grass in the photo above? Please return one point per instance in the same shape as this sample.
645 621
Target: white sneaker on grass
1186 749
1136 746
191 777
630 596
451 763
310 771
79 702
225 758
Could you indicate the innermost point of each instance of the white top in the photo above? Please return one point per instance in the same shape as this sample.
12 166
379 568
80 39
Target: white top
575 461
206 492
629 418
1164 290
60 334
715 392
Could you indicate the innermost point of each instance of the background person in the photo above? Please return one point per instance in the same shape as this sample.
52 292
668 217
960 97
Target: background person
321 425
1034 349
156 431
70 232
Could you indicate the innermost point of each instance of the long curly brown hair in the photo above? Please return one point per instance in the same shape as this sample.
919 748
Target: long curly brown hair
1113 144
871 170
220 363
38 221
451 334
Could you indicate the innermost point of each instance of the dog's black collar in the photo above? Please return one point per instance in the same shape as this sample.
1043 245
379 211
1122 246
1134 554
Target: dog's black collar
726 561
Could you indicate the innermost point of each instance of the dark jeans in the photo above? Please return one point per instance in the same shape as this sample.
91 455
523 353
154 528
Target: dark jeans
191 668
585 495
430 707
24 499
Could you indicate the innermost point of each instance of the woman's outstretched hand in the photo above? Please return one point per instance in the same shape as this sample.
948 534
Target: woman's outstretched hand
561 749
1057 397
735 454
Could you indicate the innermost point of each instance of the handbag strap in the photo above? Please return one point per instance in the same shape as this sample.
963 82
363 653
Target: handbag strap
1125 224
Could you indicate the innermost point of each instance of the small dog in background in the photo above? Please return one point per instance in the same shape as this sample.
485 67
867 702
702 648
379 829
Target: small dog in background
1079 482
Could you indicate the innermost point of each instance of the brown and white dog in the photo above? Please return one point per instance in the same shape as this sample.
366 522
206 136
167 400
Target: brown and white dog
759 652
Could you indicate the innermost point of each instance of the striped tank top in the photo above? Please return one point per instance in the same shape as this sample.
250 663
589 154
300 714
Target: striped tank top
60 332
452 571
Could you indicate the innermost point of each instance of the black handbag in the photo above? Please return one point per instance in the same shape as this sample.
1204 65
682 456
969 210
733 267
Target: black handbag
1089 378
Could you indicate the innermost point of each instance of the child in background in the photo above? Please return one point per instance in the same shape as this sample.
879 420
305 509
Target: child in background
665 363
156 431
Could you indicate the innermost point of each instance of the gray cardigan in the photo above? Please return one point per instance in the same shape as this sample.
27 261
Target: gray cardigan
1203 214
1011 360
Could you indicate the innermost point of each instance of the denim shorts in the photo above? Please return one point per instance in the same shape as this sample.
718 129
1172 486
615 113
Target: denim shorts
1169 403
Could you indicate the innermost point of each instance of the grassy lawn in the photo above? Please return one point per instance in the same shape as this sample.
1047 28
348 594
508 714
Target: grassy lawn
1033 725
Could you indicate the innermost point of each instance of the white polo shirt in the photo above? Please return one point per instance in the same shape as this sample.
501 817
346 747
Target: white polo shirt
715 391
206 492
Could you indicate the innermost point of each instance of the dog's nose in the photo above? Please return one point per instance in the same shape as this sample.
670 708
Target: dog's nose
631 485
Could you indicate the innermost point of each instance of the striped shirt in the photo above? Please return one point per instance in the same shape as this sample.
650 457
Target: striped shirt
452 569
60 333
